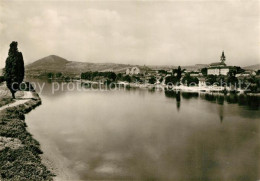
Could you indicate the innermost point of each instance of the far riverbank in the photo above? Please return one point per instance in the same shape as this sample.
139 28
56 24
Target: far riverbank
161 87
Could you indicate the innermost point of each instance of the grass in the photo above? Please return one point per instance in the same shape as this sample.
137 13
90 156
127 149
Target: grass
23 163
5 101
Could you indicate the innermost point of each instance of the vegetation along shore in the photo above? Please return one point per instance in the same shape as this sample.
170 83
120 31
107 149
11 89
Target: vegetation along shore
19 151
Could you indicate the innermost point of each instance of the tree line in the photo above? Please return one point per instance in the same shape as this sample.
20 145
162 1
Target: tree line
92 75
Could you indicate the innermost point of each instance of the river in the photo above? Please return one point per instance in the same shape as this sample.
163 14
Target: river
148 135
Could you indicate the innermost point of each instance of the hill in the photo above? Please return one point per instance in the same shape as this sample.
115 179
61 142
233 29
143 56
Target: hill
51 62
252 67
54 63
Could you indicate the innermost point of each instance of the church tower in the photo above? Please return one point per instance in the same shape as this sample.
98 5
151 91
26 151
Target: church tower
223 58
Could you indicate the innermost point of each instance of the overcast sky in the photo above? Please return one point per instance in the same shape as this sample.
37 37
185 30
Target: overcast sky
133 32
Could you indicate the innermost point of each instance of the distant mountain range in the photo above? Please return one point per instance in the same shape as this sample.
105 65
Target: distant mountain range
252 67
54 63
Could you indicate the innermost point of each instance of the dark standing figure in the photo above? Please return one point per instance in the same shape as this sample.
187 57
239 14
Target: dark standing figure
14 69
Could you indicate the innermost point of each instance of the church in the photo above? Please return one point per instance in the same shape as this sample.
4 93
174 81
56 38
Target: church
219 68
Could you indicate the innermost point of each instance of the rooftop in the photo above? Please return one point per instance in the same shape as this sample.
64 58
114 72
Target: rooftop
217 64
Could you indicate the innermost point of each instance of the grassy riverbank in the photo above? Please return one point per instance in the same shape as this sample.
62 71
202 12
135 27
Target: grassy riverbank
19 151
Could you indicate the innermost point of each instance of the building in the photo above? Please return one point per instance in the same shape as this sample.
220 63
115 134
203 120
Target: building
195 74
202 82
247 73
133 71
219 68
127 72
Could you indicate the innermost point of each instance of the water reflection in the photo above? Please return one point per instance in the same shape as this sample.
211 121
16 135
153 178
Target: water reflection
178 100
248 101
143 135
189 95
176 95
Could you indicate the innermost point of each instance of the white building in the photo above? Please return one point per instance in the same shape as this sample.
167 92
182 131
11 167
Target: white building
133 71
219 68
127 72
216 70
246 74
202 82
195 74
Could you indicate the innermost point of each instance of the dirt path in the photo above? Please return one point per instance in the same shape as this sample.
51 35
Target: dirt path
27 96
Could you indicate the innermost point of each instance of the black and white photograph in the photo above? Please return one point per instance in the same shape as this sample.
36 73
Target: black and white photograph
131 90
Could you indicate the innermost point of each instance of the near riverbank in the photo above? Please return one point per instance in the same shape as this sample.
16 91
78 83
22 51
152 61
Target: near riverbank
19 151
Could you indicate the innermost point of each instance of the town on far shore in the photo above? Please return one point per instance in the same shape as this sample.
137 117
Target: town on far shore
215 77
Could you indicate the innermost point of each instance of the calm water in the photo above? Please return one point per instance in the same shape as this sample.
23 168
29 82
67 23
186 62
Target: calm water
145 135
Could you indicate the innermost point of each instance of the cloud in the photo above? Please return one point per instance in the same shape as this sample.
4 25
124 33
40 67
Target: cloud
175 33
49 17
99 17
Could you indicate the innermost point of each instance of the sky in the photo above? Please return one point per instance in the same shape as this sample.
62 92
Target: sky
133 32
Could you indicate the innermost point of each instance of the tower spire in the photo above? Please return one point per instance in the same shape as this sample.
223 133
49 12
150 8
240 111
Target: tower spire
223 57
